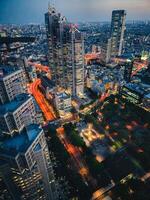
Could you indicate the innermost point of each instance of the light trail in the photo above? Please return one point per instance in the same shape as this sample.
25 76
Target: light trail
138 66
104 96
40 67
41 101
76 156
91 56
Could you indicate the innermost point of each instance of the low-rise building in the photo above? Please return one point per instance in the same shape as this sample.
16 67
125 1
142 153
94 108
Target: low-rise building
63 103
146 102
134 92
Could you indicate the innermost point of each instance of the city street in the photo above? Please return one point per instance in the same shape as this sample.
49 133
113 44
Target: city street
77 158
41 101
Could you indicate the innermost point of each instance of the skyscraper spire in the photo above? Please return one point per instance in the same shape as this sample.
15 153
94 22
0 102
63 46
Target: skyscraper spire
51 8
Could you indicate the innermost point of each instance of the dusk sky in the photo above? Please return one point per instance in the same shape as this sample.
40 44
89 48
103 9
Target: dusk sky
32 11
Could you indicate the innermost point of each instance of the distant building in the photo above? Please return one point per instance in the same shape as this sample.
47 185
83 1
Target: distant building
128 71
90 78
25 167
39 118
17 114
63 103
12 82
108 53
146 102
115 43
32 73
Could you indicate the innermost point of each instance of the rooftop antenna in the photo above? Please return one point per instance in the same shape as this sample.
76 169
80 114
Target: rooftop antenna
51 4
51 7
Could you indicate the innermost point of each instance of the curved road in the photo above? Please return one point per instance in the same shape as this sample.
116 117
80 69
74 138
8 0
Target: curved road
41 101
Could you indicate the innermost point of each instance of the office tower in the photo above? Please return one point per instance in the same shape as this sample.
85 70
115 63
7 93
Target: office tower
77 59
26 170
17 114
12 82
66 53
58 41
115 43
108 54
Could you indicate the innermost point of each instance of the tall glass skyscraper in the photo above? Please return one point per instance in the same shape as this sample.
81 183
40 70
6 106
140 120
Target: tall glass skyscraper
57 44
66 53
115 43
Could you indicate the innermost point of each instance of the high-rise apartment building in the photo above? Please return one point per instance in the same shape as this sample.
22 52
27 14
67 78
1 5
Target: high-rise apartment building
66 53
17 114
12 83
115 43
26 170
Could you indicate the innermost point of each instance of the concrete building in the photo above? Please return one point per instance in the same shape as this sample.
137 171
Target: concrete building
135 93
77 61
32 73
17 114
63 103
128 71
12 82
146 102
116 41
48 87
25 167
39 118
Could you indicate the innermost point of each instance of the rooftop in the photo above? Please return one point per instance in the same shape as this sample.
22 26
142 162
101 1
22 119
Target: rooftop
63 95
147 96
7 70
20 142
13 105
140 88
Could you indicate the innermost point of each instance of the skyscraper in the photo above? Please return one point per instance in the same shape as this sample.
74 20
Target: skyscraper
115 43
77 61
25 167
58 39
66 53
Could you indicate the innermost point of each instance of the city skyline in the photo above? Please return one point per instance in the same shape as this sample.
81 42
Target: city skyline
74 10
74 100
